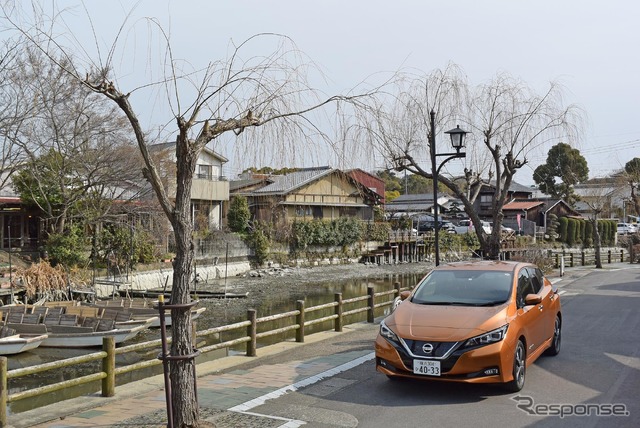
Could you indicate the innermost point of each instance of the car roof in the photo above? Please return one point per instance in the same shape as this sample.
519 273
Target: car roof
492 265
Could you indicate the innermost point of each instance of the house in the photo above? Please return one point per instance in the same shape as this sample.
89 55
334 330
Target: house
369 180
308 193
209 190
531 215
608 194
484 202
420 203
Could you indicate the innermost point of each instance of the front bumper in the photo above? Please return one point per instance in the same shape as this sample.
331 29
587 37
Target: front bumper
487 364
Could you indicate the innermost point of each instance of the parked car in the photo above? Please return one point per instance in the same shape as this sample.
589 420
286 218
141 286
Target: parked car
466 226
474 322
626 228
426 223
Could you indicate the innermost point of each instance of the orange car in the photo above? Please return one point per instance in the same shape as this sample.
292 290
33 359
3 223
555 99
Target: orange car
477 322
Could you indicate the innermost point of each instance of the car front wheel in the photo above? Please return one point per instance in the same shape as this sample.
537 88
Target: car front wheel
519 368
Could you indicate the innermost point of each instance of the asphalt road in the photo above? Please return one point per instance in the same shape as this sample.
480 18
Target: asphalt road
597 373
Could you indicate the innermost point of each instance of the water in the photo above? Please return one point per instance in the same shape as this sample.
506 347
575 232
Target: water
317 295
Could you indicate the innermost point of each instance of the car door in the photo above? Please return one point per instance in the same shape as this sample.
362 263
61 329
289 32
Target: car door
546 307
531 316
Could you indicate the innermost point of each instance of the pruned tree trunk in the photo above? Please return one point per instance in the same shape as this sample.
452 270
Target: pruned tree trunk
597 243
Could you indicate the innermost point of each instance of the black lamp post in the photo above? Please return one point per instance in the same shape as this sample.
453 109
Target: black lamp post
457 142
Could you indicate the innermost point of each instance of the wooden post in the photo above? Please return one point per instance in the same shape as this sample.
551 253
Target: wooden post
609 256
583 258
396 292
557 260
370 303
252 330
621 256
109 366
300 321
571 259
337 324
3 391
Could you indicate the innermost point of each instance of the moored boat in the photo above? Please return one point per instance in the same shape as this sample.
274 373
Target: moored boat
75 336
12 343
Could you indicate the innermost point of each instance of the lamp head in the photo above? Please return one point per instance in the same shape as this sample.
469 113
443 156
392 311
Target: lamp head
457 137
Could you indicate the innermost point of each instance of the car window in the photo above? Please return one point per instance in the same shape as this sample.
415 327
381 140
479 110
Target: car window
537 279
524 287
467 288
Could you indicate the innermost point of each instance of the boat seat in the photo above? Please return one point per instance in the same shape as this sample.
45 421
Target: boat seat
106 325
91 322
14 317
82 311
66 319
7 331
29 328
75 329
40 310
31 319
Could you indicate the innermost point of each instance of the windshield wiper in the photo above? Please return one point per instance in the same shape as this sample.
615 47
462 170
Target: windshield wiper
443 303
493 303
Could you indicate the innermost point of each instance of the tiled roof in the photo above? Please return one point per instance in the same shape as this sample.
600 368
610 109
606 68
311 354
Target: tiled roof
521 205
293 180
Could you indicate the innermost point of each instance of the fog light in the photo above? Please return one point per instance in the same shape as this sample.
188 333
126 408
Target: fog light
491 371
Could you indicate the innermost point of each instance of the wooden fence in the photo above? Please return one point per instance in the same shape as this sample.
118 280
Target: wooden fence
587 258
298 320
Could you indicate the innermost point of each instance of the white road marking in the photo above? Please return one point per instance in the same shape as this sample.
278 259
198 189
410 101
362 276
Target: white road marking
292 423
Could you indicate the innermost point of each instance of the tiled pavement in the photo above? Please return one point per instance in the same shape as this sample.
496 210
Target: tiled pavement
223 389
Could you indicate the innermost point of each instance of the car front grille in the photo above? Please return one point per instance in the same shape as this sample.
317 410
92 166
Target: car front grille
440 349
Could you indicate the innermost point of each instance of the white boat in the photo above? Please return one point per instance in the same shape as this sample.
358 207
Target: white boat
72 336
12 344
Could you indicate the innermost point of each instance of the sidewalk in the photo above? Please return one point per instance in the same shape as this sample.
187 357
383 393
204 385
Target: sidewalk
228 388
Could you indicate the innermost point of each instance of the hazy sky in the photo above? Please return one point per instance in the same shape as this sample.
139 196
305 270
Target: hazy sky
591 47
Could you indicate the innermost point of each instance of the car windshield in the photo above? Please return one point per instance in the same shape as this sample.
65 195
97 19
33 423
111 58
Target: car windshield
464 288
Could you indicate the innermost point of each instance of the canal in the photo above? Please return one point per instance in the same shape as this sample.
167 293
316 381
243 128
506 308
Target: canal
319 294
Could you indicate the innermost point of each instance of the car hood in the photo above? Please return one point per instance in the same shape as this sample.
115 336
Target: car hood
445 323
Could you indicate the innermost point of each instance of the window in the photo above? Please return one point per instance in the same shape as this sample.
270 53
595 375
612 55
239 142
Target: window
205 172
524 287
537 279
303 211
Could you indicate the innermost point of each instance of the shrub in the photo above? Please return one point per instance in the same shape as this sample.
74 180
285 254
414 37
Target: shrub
239 215
562 228
67 249
259 243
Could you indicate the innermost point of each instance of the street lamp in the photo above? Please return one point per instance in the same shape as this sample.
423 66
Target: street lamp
457 142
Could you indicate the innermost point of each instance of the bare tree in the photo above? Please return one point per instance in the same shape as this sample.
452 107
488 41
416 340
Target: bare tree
509 119
74 145
598 199
12 110
236 96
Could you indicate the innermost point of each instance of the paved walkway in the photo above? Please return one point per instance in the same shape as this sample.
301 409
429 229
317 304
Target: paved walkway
226 391
228 388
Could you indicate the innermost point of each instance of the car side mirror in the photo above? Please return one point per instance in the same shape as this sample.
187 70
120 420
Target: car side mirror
532 299
404 294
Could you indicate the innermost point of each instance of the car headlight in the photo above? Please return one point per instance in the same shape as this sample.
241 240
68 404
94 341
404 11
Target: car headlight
388 334
487 338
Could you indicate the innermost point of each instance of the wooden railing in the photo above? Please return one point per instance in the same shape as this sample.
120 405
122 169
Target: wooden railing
299 319
586 258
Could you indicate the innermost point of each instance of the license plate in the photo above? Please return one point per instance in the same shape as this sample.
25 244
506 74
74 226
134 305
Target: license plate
426 367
